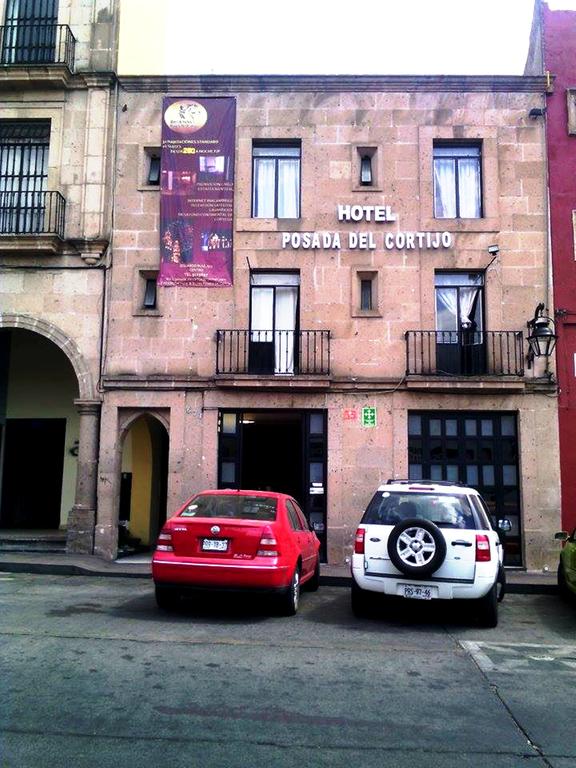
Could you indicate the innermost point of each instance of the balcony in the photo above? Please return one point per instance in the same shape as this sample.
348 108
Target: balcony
36 54
463 354
32 222
281 354
33 45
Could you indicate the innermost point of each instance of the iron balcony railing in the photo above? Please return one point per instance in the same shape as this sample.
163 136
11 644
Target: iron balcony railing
273 352
464 353
36 45
32 213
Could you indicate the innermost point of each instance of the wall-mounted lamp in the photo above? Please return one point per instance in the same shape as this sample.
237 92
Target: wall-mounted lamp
366 170
541 336
537 112
493 250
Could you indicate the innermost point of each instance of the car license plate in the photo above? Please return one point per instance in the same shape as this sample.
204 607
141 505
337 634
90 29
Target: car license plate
214 545
417 592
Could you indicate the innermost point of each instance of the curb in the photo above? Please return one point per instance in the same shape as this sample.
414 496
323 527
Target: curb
70 569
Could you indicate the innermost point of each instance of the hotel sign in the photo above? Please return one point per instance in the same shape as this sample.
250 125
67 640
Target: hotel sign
367 241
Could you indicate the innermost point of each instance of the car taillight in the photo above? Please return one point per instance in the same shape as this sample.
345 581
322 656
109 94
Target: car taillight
359 541
483 553
268 546
164 543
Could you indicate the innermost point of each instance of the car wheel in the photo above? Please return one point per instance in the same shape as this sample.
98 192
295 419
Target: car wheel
166 599
290 600
487 607
314 582
501 584
362 601
417 547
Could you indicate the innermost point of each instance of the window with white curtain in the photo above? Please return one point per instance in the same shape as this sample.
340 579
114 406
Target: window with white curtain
458 304
457 181
274 315
276 180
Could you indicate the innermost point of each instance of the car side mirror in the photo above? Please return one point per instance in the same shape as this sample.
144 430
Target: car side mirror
561 536
505 525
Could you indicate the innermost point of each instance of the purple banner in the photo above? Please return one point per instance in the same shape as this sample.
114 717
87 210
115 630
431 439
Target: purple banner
197 191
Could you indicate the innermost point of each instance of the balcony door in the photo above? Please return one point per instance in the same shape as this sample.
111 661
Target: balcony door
274 298
460 343
24 148
30 32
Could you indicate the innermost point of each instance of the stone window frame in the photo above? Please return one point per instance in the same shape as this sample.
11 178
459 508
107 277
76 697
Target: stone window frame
142 273
358 274
374 151
487 136
146 153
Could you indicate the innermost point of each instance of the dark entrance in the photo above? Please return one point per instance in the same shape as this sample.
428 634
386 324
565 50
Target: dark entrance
32 473
477 448
278 450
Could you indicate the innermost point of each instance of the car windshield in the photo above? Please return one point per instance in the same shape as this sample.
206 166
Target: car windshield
447 511
236 507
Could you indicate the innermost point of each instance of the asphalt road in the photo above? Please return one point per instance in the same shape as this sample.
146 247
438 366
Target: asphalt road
92 674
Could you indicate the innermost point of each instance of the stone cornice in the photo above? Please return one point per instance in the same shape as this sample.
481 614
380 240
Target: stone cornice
333 83
52 77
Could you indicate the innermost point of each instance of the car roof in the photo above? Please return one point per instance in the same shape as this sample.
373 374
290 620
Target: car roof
242 492
431 486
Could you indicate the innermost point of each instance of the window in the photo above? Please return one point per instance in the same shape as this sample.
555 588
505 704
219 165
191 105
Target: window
276 180
145 300
457 181
273 322
460 342
150 293
30 32
23 173
459 301
154 170
366 294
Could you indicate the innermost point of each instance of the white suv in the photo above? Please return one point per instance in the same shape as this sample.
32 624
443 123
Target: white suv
426 540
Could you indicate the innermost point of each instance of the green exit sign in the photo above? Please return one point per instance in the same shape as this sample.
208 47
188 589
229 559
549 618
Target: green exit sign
368 417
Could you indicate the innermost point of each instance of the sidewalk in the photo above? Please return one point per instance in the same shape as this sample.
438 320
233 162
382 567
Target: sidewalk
138 566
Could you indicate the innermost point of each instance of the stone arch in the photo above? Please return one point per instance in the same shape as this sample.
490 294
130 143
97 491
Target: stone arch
130 415
144 505
86 387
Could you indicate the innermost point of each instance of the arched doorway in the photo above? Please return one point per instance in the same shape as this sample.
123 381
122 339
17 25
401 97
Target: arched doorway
143 484
39 432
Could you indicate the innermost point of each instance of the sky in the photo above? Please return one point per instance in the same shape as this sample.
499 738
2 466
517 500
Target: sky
463 37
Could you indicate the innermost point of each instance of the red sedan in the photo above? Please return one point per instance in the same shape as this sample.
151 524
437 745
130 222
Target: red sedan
237 540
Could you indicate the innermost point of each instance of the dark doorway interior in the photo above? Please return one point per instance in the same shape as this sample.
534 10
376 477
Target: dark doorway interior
32 473
272 453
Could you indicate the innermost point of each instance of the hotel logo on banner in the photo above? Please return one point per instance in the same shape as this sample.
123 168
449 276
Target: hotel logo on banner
197 191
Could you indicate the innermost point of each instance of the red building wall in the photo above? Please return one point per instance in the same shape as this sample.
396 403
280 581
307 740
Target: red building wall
559 53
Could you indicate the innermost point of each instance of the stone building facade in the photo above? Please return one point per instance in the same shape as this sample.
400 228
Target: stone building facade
57 88
412 256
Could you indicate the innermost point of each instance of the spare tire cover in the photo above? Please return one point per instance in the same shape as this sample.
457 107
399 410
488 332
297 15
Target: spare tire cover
417 547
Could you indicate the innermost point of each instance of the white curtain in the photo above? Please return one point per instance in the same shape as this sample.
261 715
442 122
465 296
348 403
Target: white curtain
263 201
288 189
286 305
446 316
469 188
444 189
262 314
467 303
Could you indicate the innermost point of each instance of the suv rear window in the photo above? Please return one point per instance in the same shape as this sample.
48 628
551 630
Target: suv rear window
235 507
446 510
